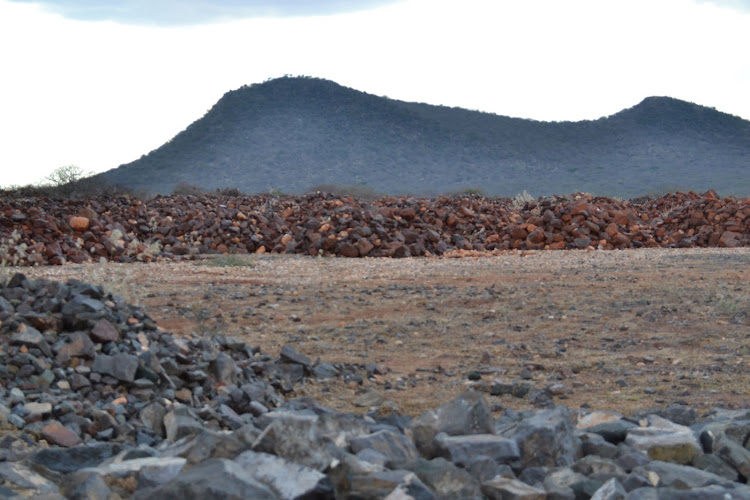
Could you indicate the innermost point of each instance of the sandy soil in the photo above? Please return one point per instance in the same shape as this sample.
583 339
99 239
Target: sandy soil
618 330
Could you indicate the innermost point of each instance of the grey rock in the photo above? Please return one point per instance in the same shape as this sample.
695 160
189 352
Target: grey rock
289 354
207 444
645 493
288 480
181 422
611 490
546 439
215 478
325 371
705 493
223 369
152 417
461 449
120 366
666 441
595 444
24 482
379 484
396 448
483 468
733 454
715 465
445 479
464 415
309 441
144 472
67 460
669 475
594 465
33 338
614 432
502 488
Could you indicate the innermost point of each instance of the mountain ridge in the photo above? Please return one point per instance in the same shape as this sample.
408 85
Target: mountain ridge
294 133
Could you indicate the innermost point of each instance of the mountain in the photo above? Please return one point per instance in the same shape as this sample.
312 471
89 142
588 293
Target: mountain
294 133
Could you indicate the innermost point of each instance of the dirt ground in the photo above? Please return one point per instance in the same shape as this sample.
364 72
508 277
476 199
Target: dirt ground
618 330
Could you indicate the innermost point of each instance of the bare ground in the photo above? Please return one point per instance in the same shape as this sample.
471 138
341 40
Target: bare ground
620 330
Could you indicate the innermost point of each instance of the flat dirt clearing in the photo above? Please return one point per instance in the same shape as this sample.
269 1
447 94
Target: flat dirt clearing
620 330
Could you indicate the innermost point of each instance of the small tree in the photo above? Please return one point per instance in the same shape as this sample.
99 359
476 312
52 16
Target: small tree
66 175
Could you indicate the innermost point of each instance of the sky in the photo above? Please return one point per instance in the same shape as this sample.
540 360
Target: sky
98 83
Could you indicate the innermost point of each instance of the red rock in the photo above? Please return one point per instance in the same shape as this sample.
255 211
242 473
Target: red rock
536 236
729 239
60 435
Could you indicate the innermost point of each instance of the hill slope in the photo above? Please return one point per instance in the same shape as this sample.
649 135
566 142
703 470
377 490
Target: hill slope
295 133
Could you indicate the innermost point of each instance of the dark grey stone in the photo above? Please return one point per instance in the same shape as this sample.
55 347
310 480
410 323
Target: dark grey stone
286 479
289 354
464 415
397 448
461 449
120 366
546 438
215 478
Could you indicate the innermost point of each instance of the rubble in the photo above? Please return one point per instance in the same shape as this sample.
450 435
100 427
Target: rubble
42 231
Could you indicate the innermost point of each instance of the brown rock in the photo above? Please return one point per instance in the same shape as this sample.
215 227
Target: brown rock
729 239
346 249
60 435
104 332
364 246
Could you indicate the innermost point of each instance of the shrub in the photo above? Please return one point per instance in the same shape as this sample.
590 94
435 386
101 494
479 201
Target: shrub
359 191
185 189
521 199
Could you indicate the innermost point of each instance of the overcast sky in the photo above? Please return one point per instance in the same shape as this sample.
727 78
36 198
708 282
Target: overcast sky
99 83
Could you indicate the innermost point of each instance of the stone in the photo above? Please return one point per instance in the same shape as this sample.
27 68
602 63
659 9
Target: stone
665 441
502 488
79 224
286 479
733 454
214 478
445 479
67 460
669 475
290 355
104 331
396 448
466 414
146 472
611 490
19 481
78 345
461 449
546 439
31 337
181 422
60 435
120 366
152 417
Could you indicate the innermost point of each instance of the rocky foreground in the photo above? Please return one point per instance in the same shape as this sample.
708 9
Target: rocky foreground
41 231
96 401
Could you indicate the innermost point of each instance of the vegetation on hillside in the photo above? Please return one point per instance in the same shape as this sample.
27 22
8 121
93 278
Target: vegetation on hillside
293 133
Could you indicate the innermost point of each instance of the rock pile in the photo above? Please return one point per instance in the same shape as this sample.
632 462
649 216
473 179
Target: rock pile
97 402
40 231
